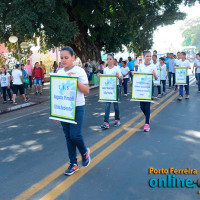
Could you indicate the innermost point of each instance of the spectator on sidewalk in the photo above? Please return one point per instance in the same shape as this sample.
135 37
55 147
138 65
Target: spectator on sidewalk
25 79
29 69
59 67
18 83
42 66
55 66
5 84
38 77
131 66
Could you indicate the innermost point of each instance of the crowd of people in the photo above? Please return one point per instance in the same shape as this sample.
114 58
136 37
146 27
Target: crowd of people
21 79
124 70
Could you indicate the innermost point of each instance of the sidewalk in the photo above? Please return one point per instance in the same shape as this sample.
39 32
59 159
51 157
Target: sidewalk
34 99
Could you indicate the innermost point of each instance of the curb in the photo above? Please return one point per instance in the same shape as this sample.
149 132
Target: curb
29 104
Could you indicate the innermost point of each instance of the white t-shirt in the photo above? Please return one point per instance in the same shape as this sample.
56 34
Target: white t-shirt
156 65
185 64
148 69
16 77
177 62
4 79
163 72
82 77
113 71
198 64
124 71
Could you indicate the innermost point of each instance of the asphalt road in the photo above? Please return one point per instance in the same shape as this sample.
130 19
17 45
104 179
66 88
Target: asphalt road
33 152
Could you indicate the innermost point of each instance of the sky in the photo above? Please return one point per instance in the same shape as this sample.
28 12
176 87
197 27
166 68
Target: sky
169 38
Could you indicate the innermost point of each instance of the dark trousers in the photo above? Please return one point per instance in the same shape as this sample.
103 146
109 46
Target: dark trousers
198 79
186 88
125 85
163 83
116 108
131 75
170 78
73 135
4 89
145 107
30 81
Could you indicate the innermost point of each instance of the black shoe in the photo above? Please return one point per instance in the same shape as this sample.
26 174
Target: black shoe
36 93
40 93
4 102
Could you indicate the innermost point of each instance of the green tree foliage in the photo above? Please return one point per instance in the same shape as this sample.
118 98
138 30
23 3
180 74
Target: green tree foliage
191 35
89 26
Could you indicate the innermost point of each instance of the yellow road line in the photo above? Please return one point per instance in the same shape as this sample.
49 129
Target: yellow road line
44 182
64 185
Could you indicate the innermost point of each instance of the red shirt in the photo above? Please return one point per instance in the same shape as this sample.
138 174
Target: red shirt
37 73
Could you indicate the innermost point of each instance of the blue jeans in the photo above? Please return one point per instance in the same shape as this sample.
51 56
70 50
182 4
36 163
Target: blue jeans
125 85
145 107
186 88
163 82
170 78
73 135
198 79
38 81
4 89
116 108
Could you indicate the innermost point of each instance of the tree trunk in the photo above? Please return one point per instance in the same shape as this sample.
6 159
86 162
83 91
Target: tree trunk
86 50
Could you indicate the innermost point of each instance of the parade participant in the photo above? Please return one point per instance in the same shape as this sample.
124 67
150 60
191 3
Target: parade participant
73 132
29 69
112 70
156 66
163 75
131 66
125 73
184 63
171 69
37 77
18 83
136 64
197 66
120 62
147 67
194 70
5 84
176 64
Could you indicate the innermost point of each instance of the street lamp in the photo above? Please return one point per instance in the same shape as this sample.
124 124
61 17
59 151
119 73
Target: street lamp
14 39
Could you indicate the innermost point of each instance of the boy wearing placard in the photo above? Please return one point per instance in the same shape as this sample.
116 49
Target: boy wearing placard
125 73
177 64
156 68
163 75
148 68
73 132
112 70
186 64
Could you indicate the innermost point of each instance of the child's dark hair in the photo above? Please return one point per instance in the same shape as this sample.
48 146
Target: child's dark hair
146 52
161 58
124 62
111 54
183 53
86 65
69 49
155 56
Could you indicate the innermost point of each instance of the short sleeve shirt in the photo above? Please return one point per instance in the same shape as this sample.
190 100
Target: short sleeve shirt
82 77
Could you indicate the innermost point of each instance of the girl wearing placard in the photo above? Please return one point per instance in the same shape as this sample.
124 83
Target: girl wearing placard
73 132
112 70
163 75
186 64
148 68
